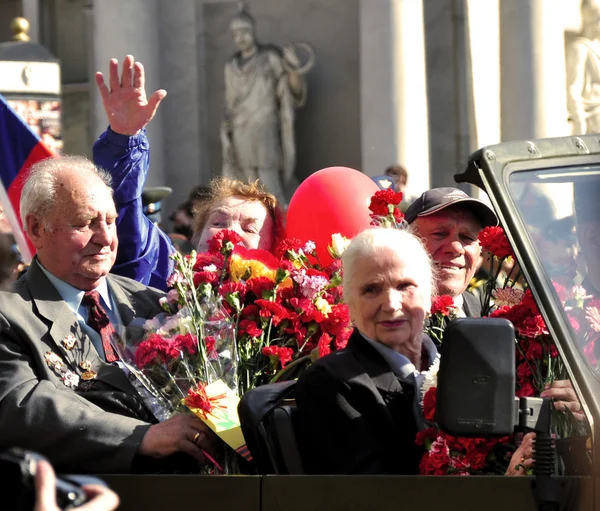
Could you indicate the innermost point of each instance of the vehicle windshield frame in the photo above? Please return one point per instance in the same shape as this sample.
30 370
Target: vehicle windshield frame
491 168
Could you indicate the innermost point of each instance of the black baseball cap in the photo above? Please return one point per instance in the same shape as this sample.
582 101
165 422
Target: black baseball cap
436 199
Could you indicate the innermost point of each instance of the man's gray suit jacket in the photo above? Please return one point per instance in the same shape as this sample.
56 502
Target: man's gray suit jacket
37 410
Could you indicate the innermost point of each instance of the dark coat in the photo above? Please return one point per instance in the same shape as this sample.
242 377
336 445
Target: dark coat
355 416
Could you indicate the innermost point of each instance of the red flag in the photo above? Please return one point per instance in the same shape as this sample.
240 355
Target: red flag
20 148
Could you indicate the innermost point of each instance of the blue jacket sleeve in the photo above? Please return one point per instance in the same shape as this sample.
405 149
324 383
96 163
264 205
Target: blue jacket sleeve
144 249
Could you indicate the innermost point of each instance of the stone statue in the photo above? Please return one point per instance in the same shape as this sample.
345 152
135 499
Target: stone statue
583 72
264 84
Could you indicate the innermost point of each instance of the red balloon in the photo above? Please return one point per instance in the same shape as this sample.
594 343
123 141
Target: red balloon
332 200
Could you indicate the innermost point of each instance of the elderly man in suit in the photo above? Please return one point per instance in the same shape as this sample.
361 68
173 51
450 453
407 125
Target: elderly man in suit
62 391
449 221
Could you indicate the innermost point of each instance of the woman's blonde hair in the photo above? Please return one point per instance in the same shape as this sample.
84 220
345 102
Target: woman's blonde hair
224 187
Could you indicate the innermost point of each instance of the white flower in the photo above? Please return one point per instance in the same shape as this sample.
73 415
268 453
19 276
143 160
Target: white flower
309 247
579 293
430 377
210 267
163 301
338 245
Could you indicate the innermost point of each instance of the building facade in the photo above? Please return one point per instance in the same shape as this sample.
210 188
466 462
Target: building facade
418 82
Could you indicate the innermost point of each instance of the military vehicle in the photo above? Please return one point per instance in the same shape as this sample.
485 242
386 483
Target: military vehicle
566 170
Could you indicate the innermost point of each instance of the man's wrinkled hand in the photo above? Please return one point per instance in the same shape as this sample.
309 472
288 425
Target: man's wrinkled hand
564 398
125 104
181 433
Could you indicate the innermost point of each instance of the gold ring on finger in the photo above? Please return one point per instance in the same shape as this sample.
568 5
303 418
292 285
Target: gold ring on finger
196 437
522 459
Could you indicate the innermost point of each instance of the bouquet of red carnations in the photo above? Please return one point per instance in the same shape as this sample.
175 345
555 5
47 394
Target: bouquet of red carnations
184 362
538 367
286 308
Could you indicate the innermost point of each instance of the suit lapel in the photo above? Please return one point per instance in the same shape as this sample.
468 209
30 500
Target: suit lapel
63 323
123 300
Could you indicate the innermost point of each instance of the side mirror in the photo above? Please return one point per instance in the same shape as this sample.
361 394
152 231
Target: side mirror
476 380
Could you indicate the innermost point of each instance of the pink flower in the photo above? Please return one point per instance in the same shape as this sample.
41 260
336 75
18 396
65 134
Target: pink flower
592 314
311 282
508 296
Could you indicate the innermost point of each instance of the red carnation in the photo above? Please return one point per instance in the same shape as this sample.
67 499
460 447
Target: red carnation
250 327
381 200
337 321
258 285
437 460
426 434
590 353
210 342
205 259
230 287
205 277
526 389
288 244
443 305
278 354
224 240
429 400
187 342
524 371
324 345
495 241
155 349
297 329
532 326
249 311
273 310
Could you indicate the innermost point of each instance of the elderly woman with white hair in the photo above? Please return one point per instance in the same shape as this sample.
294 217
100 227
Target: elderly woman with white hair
358 410
356 407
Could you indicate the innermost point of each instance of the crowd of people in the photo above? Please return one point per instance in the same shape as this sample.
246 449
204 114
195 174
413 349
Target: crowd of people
100 262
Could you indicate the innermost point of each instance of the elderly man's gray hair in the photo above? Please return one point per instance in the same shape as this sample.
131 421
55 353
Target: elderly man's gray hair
370 241
38 196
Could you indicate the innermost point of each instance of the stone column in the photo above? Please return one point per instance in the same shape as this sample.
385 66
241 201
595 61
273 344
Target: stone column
181 72
533 79
394 124
132 27
448 89
483 76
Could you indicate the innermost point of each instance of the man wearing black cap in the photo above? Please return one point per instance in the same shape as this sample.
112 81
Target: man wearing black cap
152 198
449 222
